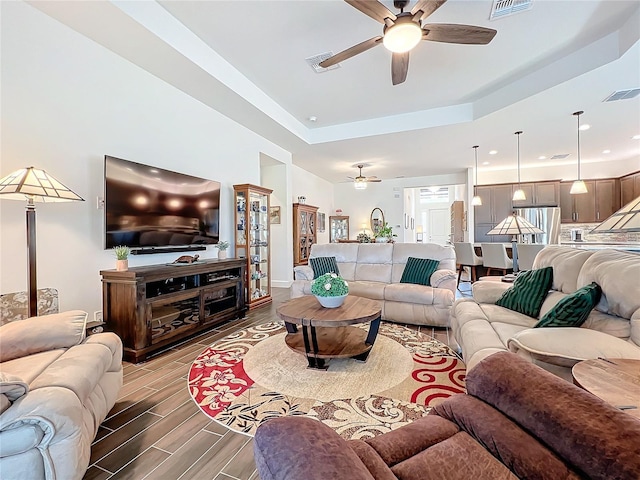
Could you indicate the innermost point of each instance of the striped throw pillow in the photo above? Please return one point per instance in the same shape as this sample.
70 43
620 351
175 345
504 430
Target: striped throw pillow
322 265
528 292
419 271
572 310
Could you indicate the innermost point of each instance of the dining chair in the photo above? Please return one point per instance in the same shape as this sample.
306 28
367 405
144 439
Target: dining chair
466 257
494 257
527 253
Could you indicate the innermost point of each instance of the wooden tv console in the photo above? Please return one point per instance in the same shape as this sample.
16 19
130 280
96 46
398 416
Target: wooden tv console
154 306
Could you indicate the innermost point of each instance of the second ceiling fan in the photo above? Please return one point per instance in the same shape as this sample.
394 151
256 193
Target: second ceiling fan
404 31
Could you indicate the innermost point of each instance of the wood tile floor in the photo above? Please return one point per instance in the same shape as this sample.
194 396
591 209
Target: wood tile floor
155 430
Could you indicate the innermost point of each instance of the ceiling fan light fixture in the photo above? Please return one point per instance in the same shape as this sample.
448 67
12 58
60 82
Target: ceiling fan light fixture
360 183
403 36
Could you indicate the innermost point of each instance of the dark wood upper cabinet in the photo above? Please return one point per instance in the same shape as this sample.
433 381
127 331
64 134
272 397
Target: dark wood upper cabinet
629 188
600 201
539 194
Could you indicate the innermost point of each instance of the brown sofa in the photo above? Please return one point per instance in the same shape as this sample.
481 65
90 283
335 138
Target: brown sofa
517 421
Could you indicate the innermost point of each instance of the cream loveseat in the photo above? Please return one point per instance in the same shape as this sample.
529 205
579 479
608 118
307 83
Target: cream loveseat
611 330
56 388
374 270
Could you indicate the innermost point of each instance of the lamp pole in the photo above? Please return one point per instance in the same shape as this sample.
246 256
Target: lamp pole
31 257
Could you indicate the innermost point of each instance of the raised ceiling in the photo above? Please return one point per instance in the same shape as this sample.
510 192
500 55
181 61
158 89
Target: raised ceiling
247 60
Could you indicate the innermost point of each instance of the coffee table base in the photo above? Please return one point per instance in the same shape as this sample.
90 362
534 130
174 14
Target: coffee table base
319 344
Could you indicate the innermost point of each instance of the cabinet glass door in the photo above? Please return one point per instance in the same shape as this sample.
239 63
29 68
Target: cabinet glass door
259 246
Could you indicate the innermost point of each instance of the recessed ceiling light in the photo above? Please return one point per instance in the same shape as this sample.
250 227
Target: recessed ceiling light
313 118
542 157
486 163
606 151
585 126
493 152
636 137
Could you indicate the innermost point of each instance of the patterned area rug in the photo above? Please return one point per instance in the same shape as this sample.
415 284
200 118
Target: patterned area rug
251 376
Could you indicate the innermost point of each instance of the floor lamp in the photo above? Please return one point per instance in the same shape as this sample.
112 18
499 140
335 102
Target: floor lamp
514 225
34 185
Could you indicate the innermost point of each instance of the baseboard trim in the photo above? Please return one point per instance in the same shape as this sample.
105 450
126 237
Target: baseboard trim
281 283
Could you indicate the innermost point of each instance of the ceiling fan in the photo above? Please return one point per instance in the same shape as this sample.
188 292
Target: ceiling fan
404 31
360 182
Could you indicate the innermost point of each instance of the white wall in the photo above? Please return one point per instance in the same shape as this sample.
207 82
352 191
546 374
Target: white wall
65 103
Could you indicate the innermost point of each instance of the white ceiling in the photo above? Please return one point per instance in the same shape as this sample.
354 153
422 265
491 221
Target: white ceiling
247 60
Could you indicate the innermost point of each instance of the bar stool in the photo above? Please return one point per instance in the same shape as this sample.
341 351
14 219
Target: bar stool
494 257
466 257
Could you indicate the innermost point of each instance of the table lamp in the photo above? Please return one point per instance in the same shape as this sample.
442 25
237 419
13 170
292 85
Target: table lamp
627 219
514 225
34 185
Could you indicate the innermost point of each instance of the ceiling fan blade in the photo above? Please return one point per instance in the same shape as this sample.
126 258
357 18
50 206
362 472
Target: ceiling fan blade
373 180
451 33
399 67
427 7
351 52
372 8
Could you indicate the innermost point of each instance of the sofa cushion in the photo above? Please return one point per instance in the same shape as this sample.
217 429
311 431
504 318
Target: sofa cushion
419 271
14 441
566 263
572 310
409 293
371 290
12 386
566 346
496 314
528 292
322 265
39 334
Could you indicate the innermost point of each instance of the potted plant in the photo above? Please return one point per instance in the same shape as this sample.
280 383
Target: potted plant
122 257
385 234
222 249
330 290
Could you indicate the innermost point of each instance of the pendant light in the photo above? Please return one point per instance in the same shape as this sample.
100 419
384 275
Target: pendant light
519 193
476 201
578 186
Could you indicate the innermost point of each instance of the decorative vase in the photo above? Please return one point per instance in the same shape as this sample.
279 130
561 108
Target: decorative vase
222 254
331 302
122 265
382 240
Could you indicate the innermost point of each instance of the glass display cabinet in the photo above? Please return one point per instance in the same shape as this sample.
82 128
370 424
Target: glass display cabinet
252 240
304 232
338 228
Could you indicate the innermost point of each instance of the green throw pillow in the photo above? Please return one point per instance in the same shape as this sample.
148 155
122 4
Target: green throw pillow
528 292
419 271
572 310
322 265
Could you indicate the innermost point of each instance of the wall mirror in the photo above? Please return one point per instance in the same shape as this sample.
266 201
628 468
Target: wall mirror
377 220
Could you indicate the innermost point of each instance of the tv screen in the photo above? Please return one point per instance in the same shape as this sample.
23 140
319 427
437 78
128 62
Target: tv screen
148 206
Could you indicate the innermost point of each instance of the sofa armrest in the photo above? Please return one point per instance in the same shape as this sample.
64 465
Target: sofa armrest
303 272
282 449
40 334
566 346
488 291
444 279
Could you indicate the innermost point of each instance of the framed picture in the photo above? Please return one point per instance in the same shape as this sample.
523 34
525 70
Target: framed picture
321 220
274 215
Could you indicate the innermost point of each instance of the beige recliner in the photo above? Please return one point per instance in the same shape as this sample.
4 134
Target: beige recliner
56 387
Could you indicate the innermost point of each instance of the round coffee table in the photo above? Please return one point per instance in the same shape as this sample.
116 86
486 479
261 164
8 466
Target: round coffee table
329 332
614 380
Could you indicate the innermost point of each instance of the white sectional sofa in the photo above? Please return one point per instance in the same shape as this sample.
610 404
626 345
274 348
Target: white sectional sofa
374 270
56 387
611 330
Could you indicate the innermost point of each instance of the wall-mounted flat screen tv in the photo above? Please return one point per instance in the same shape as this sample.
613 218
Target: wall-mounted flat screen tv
148 206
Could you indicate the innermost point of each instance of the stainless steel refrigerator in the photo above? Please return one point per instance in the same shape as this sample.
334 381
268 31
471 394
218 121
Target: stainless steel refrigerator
546 219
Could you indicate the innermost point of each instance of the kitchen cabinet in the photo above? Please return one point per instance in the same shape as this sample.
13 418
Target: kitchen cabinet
539 194
253 242
600 201
629 188
496 205
304 232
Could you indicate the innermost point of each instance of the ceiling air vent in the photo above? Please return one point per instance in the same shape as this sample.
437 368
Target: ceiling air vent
316 59
623 95
504 8
559 156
